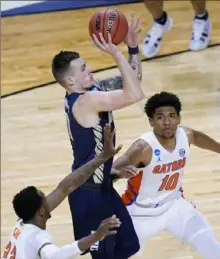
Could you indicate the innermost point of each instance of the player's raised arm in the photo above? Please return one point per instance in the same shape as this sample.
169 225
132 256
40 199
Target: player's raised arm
202 140
80 175
134 59
132 42
97 101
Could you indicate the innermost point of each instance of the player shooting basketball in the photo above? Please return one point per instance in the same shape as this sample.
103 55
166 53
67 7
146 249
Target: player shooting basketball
30 240
88 106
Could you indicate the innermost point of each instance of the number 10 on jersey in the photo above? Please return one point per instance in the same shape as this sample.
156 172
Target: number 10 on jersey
169 182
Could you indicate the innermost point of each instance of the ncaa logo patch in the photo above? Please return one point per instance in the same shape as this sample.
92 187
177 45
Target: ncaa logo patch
182 152
156 152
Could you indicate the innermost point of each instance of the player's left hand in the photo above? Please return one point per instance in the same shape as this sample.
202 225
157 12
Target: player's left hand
109 150
108 227
131 39
128 172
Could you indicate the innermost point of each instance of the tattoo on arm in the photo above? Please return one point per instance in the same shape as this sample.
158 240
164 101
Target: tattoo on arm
135 62
114 83
73 181
110 83
80 175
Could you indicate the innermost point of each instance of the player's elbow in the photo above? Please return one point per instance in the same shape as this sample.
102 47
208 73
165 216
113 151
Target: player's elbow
135 97
139 77
121 162
65 188
141 96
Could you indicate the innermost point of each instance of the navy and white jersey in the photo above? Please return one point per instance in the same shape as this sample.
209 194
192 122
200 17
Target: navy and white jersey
88 142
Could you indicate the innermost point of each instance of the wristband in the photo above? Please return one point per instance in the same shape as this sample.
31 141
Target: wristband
133 50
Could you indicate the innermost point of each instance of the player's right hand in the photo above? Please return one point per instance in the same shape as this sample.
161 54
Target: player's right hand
107 227
109 150
109 47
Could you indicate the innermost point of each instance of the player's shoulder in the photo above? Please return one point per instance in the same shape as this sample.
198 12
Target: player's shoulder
182 128
185 129
38 237
43 235
146 138
143 142
188 132
17 228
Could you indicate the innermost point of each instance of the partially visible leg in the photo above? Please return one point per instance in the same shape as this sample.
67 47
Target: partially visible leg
199 7
162 23
188 225
201 26
203 238
135 230
144 226
155 8
85 207
126 242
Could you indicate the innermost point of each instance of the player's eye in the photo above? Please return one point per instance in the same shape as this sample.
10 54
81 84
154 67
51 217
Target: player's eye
83 68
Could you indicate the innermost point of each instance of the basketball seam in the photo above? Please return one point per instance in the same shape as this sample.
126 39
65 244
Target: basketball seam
103 31
117 25
93 25
90 28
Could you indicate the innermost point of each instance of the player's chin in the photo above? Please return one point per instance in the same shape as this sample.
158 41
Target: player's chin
89 84
168 135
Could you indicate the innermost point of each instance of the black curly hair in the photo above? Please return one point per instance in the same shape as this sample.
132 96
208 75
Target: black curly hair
27 202
160 100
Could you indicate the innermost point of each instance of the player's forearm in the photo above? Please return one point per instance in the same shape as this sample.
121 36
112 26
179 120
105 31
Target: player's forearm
51 251
134 60
80 175
205 142
86 242
131 84
121 162
73 181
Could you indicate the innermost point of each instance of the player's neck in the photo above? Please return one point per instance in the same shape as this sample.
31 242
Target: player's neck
78 91
36 223
75 89
168 144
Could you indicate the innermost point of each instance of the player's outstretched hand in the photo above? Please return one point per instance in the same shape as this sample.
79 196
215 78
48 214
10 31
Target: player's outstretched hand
109 47
107 227
134 29
128 172
109 149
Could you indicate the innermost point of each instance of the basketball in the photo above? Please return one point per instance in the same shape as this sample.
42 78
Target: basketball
109 21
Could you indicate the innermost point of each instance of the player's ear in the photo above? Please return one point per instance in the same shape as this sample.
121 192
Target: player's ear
70 80
41 212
